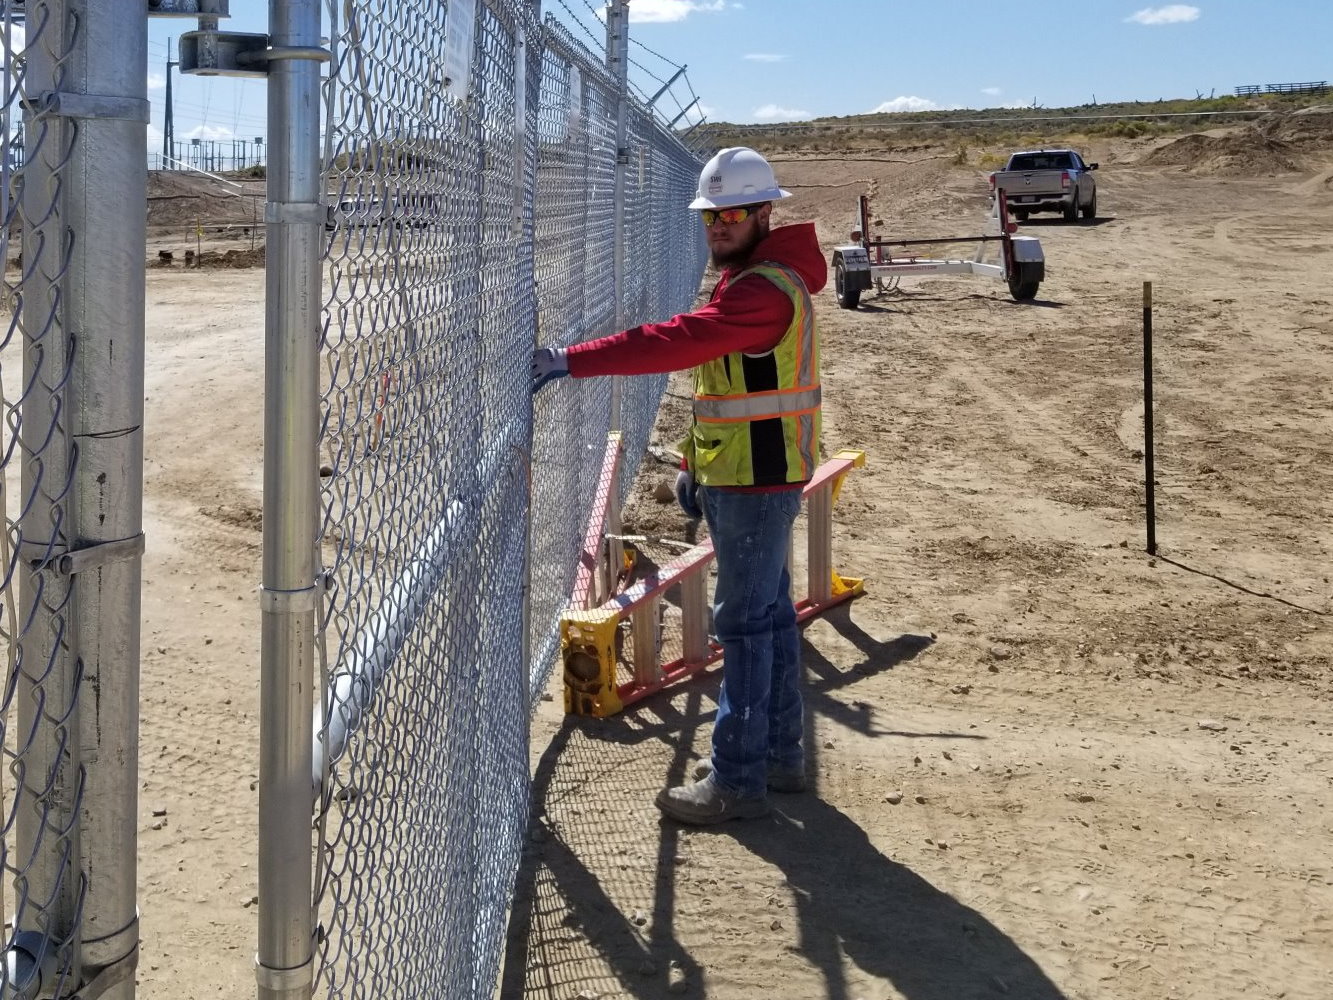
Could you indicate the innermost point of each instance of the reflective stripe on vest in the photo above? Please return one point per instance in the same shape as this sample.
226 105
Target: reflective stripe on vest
763 454
757 406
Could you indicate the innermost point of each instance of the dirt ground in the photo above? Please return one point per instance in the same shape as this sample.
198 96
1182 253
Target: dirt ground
1113 769
1046 765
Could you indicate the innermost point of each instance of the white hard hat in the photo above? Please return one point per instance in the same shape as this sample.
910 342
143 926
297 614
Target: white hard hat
737 176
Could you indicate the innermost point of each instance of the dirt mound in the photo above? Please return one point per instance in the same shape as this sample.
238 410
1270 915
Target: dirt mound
1310 128
212 259
1274 145
1243 154
176 198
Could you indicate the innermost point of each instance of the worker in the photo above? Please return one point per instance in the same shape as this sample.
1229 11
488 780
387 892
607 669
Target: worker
753 444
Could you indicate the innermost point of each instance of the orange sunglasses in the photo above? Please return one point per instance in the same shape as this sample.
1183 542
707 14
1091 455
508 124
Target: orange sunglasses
730 216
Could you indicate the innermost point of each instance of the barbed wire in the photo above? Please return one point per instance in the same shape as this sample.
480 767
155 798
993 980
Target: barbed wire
635 86
599 42
669 62
594 13
647 71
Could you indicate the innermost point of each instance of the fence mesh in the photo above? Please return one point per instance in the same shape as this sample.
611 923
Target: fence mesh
464 228
43 787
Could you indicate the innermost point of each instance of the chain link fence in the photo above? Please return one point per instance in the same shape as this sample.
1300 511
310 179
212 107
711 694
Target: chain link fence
41 692
469 221
73 116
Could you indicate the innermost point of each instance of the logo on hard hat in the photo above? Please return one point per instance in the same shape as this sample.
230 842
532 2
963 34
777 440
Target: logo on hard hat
715 184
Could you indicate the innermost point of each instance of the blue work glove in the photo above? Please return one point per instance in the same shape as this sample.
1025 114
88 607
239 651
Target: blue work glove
548 363
687 494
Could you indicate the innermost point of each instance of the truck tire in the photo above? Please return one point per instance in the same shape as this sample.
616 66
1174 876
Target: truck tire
1023 283
1071 210
848 297
1090 209
1021 214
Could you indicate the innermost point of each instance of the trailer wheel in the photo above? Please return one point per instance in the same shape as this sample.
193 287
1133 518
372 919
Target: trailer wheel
1090 209
1023 284
848 297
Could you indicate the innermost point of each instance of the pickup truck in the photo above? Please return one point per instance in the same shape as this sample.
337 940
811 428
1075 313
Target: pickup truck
1047 180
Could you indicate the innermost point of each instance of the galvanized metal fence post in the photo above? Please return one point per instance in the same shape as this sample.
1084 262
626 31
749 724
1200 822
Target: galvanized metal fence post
617 61
294 217
106 320
81 434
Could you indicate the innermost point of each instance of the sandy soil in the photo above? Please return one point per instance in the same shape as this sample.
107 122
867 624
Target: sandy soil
1113 769
1027 679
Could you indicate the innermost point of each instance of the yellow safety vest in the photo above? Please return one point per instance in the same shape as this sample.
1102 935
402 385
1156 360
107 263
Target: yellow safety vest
756 417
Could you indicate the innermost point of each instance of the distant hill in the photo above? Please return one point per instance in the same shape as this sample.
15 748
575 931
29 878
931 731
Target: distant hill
1003 126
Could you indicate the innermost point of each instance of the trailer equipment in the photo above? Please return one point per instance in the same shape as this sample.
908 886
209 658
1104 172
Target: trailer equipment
859 266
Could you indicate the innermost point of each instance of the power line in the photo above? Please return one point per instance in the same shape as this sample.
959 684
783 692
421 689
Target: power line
985 121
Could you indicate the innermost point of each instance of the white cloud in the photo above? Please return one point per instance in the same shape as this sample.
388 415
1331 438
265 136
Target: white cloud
1172 13
769 57
156 81
905 104
992 91
665 11
775 113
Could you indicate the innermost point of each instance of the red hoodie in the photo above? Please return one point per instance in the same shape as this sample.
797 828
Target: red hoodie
750 316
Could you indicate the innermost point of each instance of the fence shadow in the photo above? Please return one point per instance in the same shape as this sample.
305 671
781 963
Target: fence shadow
1238 586
567 932
565 929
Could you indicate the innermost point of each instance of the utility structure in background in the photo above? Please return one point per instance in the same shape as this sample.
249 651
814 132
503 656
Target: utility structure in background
168 114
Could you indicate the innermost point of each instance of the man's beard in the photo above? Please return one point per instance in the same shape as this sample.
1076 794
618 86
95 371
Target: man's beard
738 254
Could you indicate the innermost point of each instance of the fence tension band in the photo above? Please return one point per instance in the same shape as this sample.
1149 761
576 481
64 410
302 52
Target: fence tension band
295 213
61 104
240 53
281 602
110 976
88 557
284 980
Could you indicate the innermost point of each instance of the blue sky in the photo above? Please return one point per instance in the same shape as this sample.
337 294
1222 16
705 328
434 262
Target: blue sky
789 60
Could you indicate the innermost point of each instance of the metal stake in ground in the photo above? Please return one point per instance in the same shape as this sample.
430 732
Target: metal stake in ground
1148 418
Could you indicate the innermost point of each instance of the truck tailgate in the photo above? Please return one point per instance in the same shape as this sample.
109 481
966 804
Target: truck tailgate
1030 185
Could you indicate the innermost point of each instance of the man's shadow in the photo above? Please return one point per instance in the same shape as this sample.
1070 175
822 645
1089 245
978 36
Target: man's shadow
852 901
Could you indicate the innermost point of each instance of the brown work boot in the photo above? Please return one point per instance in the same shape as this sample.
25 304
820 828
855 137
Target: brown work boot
779 779
705 802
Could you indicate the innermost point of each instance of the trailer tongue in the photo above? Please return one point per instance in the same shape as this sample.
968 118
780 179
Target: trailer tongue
857 267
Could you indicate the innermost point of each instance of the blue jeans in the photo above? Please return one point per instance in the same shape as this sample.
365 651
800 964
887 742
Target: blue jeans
759 715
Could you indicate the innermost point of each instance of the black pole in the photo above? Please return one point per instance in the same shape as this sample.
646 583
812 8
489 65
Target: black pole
168 125
1148 418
